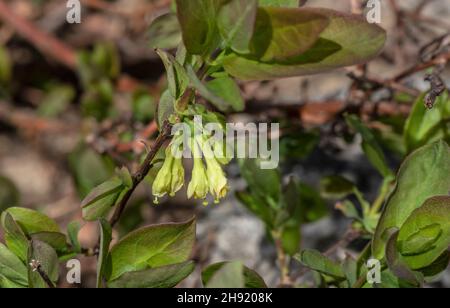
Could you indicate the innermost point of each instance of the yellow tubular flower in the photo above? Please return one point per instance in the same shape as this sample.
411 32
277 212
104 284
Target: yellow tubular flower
162 183
220 151
198 187
177 181
217 181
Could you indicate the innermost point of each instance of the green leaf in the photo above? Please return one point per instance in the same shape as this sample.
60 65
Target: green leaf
300 204
105 241
101 63
236 22
97 101
350 267
5 283
105 196
257 207
390 281
298 145
72 231
15 238
56 101
47 258
54 239
225 275
284 33
160 277
105 59
9 194
143 105
421 241
370 146
425 126
280 3
153 246
290 239
264 183
32 221
349 209
425 235
34 225
176 74
198 25
437 267
206 93
166 107
336 187
227 89
12 268
396 263
313 207
165 32
252 279
318 262
89 169
424 174
348 40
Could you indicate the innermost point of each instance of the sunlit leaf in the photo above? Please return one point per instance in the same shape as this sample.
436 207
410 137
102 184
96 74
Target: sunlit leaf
32 221
198 24
159 277
11 267
425 235
348 40
152 246
252 279
318 262
424 125
424 174
45 256
228 275
280 3
236 22
370 146
226 88
15 238
165 32
105 241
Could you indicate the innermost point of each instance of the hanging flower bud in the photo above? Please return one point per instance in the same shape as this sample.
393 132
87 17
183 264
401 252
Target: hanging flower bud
162 183
198 187
177 181
217 181
221 152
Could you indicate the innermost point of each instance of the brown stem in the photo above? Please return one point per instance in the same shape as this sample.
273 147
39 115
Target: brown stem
37 267
283 262
45 278
442 59
142 172
360 282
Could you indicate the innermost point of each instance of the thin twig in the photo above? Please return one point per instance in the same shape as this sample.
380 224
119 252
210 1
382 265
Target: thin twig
442 59
142 172
37 267
283 262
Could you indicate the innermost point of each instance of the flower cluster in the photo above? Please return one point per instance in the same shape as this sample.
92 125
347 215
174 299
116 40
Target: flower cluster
209 155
